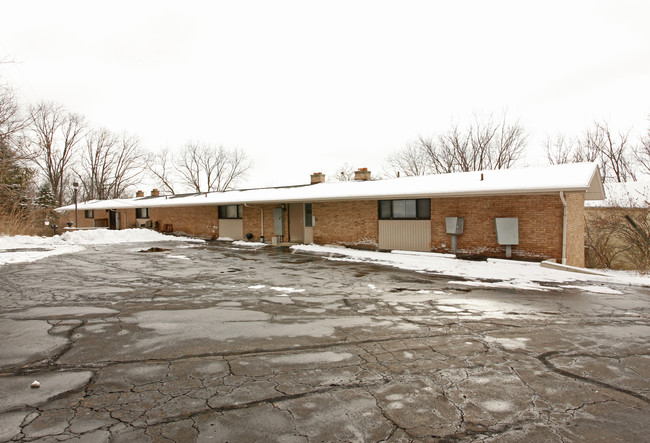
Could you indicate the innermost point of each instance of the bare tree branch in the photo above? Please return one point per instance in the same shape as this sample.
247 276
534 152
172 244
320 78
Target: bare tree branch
109 165
613 152
642 153
160 167
484 144
55 136
345 173
206 167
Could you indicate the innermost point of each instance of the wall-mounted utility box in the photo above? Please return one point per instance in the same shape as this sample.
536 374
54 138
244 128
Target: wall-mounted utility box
454 225
507 230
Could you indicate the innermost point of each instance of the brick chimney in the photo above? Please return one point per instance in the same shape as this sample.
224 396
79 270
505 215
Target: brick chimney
317 177
362 174
139 194
155 193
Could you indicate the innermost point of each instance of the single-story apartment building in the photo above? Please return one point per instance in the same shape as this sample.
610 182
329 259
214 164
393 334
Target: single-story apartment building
531 213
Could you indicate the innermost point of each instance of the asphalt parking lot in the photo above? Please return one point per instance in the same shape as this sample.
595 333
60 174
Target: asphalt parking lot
215 343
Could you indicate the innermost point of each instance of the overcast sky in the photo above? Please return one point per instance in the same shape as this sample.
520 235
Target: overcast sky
307 86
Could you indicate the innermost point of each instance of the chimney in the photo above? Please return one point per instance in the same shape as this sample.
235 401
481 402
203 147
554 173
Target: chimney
362 174
155 193
317 177
139 194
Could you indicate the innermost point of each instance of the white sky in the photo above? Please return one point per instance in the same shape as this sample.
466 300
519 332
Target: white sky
306 86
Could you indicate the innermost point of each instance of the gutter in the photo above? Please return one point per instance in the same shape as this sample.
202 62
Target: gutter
564 222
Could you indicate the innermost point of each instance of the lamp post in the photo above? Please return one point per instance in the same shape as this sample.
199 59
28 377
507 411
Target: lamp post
75 185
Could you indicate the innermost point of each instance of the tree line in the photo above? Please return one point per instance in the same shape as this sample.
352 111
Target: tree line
489 143
45 148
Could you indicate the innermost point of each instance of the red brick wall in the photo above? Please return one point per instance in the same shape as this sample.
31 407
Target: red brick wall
355 223
253 221
202 221
346 223
540 224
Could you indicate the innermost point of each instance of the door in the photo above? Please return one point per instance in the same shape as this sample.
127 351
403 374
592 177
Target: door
296 223
113 220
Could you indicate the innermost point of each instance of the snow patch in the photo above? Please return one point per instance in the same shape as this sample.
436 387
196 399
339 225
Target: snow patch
249 244
25 248
493 273
594 288
288 290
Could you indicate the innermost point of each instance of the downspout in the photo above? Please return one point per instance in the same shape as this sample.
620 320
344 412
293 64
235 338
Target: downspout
261 221
564 221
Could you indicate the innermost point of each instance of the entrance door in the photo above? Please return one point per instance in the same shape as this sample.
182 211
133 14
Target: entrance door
296 222
114 220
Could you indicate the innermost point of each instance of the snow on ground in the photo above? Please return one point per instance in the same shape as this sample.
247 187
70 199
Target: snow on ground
490 273
25 248
249 244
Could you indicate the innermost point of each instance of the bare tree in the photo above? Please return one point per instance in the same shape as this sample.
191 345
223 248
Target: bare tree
205 167
55 134
345 173
642 153
12 121
613 152
109 165
560 150
411 160
160 166
483 144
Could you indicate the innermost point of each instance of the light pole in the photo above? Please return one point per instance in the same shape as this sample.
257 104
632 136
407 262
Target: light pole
75 185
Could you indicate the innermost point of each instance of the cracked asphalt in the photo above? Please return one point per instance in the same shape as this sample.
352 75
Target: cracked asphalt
215 343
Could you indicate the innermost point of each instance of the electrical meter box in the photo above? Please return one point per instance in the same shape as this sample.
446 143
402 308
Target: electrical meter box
507 230
454 225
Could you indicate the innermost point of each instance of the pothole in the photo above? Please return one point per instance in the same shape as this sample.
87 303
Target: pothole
154 249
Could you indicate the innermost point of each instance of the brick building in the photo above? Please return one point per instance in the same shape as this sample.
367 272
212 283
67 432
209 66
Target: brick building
534 213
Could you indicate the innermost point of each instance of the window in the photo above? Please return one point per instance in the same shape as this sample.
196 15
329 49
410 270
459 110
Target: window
90 213
231 211
405 209
142 213
308 216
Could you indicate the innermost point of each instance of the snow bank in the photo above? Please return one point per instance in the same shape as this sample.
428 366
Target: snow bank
106 236
491 273
25 248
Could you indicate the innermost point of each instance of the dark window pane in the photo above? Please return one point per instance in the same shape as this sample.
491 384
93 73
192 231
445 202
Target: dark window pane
424 209
142 213
399 208
409 209
90 214
240 211
384 209
308 216
231 211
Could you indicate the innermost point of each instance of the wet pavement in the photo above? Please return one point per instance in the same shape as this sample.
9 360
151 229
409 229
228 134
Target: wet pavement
215 343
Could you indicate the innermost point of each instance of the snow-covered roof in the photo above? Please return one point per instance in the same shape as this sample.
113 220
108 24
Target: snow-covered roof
575 177
625 195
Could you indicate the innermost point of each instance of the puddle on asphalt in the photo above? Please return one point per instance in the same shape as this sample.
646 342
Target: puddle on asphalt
155 249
